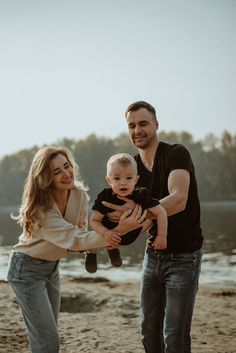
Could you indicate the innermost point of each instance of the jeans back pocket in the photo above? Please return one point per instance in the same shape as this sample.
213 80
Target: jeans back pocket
15 268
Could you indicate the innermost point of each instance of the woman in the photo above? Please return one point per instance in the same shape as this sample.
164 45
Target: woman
53 215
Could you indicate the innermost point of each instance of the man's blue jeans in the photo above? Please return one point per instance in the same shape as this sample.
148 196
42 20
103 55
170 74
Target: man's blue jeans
168 289
37 289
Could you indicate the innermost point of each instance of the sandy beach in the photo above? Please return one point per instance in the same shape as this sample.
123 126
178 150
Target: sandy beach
98 315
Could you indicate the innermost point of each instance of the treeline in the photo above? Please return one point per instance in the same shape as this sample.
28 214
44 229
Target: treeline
214 159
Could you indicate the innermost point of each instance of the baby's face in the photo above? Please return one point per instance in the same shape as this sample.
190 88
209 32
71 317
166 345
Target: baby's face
122 179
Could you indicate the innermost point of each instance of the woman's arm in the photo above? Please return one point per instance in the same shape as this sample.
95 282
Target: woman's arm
56 230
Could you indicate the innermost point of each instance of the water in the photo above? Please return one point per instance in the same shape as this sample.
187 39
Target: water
219 260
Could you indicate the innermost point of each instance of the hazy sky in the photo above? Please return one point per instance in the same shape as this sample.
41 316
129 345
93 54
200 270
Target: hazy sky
69 68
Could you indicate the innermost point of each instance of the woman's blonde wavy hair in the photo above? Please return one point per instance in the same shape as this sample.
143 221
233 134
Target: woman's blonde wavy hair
37 194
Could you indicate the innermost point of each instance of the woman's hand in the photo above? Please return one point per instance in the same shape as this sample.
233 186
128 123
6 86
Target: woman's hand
112 237
131 219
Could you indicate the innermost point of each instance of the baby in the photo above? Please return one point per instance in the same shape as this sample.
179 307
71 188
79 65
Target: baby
122 177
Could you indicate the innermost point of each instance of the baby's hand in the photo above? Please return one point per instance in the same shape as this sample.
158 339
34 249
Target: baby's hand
160 242
112 237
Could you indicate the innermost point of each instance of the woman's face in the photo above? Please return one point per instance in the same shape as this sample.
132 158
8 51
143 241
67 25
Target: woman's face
62 172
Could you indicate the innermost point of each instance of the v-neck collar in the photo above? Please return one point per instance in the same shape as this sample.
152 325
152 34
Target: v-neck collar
67 205
159 147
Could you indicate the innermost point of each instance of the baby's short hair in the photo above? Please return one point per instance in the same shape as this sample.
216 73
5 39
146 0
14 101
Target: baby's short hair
124 159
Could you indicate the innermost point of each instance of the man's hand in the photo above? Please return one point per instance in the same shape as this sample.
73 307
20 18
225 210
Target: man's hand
131 219
119 209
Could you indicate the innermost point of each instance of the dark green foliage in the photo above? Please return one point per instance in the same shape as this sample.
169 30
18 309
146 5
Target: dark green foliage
13 171
214 159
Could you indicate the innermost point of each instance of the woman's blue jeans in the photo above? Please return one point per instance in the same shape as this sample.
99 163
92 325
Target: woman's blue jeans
168 290
37 289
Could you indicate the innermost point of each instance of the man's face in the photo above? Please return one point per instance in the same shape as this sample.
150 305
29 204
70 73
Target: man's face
142 128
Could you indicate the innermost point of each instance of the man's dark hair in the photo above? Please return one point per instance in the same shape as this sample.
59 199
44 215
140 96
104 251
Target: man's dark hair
140 104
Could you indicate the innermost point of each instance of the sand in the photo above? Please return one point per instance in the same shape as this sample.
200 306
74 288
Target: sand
98 315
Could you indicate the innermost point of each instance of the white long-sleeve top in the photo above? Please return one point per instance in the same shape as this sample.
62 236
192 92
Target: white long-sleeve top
57 234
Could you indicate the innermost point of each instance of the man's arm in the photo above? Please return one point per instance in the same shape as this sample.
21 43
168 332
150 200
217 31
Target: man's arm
178 186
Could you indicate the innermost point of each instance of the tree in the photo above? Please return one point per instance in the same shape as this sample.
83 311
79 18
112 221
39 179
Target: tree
13 171
214 161
228 164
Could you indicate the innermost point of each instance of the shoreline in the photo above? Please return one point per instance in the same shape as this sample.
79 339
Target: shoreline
101 315
217 269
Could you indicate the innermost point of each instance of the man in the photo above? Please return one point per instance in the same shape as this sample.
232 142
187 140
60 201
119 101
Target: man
169 277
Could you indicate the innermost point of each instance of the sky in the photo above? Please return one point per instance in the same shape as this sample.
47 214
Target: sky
70 68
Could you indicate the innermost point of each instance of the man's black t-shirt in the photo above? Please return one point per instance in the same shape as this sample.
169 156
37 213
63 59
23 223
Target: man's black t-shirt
140 195
184 228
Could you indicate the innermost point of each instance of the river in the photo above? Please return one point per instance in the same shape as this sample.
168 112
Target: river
219 259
